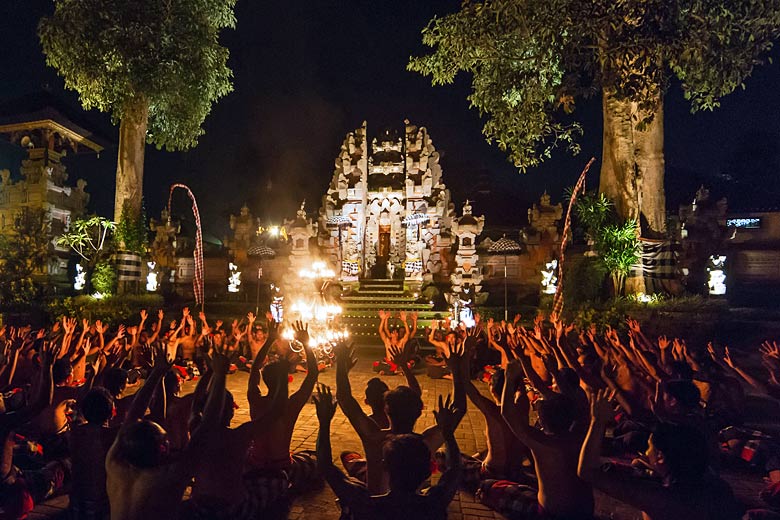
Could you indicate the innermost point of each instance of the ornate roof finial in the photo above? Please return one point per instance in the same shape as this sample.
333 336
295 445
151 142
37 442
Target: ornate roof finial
467 207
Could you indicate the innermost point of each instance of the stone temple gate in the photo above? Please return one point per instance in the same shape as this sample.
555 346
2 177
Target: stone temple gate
387 212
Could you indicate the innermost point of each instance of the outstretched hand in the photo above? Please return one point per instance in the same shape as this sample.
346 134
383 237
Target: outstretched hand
345 354
324 403
161 357
600 407
301 332
446 415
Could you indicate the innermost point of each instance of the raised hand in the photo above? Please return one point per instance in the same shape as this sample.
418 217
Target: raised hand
161 357
161 314
301 332
85 324
250 317
324 403
185 312
770 350
446 415
727 358
663 342
454 354
514 373
600 408
144 314
49 352
220 358
345 354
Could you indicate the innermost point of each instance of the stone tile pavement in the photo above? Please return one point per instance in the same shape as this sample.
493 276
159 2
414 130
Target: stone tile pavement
320 504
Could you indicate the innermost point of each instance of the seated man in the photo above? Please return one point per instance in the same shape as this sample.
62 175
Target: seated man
89 443
143 480
273 469
407 461
403 406
506 454
560 493
218 491
676 459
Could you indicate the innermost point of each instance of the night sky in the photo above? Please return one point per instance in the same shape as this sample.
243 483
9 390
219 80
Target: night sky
307 72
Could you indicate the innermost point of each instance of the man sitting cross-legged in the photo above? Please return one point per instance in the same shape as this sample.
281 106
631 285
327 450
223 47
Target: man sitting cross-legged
403 406
560 494
676 458
274 471
406 458
143 480
218 491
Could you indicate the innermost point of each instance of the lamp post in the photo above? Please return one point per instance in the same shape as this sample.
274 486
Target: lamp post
505 247
260 252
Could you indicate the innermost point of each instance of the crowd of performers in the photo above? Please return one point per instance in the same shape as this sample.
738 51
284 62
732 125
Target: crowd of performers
100 415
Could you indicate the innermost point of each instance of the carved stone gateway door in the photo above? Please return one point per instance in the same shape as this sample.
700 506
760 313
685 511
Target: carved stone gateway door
382 252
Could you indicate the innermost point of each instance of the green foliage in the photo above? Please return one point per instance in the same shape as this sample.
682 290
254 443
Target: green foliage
130 232
530 60
24 252
112 310
616 242
584 280
104 278
164 53
89 237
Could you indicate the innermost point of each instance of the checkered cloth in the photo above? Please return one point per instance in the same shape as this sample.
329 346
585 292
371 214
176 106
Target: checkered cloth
351 268
579 187
197 281
415 266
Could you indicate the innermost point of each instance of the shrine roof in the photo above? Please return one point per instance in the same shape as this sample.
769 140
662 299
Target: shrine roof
46 111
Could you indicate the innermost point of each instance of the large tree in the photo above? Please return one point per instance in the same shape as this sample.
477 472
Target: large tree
532 60
156 66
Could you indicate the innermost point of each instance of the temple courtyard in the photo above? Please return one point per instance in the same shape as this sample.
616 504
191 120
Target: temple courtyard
320 504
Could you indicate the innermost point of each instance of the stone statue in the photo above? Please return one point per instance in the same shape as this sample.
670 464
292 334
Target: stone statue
164 245
244 230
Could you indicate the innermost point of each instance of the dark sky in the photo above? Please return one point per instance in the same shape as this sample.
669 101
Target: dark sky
307 72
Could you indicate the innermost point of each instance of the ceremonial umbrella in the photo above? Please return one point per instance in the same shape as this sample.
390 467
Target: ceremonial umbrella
505 247
340 222
261 252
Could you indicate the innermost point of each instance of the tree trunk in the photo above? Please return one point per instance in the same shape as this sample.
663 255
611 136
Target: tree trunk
632 169
130 160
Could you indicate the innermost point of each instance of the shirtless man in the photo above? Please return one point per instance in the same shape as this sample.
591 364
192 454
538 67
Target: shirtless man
89 443
391 337
406 458
143 480
274 470
506 454
219 491
555 451
676 458
256 334
403 407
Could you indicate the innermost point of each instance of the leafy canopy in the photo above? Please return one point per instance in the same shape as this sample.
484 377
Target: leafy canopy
89 237
529 60
166 53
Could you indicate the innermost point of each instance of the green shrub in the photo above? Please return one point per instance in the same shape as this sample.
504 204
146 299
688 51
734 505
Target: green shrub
104 278
112 310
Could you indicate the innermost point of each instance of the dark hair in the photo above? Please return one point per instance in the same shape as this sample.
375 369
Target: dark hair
272 372
408 461
140 445
681 370
569 377
61 371
684 448
497 381
375 392
172 382
97 406
556 413
403 407
115 380
685 392
228 409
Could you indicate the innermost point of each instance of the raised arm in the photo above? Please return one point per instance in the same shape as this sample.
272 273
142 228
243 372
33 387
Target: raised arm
256 427
162 363
401 358
299 398
345 361
447 418
44 391
516 414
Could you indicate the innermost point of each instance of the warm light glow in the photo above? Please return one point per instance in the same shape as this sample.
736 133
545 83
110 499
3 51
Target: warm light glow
717 280
234 280
81 278
273 231
317 270
550 278
151 278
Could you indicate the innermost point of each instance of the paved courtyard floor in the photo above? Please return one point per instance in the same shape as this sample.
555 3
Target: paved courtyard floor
320 504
